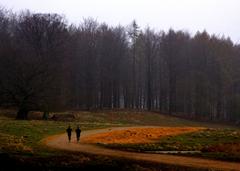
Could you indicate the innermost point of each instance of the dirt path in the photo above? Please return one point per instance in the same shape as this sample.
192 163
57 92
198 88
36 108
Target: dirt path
60 142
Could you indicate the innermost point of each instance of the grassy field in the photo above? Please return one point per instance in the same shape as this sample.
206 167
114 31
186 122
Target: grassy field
21 139
222 144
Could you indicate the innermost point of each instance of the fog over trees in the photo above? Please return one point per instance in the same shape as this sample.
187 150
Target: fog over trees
47 64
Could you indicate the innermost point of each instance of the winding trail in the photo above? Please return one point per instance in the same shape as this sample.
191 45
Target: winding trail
60 142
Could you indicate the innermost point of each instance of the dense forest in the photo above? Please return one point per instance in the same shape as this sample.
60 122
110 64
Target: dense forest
48 64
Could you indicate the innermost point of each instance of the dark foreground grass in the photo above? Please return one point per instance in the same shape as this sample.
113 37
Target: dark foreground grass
86 162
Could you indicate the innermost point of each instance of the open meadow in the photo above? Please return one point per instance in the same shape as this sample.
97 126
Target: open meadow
22 141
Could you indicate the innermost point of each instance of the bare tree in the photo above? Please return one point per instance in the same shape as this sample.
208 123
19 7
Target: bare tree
133 34
150 42
38 44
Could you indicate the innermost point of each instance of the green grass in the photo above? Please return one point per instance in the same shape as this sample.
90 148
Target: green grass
133 117
25 136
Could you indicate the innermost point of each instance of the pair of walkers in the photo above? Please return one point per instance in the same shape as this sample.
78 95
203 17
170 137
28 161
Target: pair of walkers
69 133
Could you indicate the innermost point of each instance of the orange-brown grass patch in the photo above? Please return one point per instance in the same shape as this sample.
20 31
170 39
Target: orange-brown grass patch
233 148
137 135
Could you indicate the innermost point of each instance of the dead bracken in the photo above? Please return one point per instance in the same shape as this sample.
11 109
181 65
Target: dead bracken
137 135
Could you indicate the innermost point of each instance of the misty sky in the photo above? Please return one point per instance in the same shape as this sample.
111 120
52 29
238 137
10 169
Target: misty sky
216 16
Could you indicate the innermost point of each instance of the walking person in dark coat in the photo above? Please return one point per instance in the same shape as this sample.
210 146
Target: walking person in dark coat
69 132
78 132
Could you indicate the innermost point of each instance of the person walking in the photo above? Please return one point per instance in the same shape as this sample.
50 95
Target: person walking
69 133
78 132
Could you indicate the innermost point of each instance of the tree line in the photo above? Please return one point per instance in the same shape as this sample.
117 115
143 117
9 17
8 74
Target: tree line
47 64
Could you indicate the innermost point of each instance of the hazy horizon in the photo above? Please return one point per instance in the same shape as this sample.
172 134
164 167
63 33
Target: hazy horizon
219 17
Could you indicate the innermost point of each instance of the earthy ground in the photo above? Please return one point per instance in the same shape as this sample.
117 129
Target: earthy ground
135 135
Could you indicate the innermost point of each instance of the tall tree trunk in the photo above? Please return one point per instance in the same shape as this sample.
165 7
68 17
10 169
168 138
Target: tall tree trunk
22 113
172 93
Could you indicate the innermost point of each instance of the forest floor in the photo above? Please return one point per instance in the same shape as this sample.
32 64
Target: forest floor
89 138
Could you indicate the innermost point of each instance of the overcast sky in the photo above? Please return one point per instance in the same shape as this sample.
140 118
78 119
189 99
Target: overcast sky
216 16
